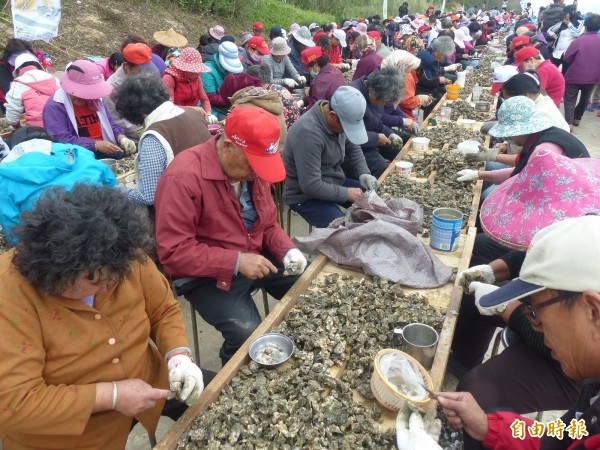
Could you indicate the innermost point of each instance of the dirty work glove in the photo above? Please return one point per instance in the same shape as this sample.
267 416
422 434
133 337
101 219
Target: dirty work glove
484 154
483 273
345 67
453 67
411 432
479 290
397 140
416 127
128 145
185 379
407 122
210 118
289 82
424 100
467 175
300 104
294 262
368 181
301 80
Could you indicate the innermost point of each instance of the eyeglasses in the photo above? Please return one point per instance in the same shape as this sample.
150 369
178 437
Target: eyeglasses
532 312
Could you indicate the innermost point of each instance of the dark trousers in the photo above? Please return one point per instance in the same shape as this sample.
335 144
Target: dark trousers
233 313
573 112
518 379
375 162
320 213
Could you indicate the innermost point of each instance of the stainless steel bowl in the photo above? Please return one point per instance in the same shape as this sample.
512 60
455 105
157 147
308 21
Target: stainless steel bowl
279 339
483 106
112 163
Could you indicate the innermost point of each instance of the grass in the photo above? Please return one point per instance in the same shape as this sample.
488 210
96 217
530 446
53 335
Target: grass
275 12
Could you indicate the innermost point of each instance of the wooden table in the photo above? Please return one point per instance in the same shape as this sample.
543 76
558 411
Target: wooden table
446 298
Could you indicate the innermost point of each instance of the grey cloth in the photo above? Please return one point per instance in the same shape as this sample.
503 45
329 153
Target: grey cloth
281 70
116 80
313 158
380 238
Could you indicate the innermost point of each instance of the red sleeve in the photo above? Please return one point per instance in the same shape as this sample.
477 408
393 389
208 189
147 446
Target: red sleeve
335 56
169 83
204 99
500 435
177 215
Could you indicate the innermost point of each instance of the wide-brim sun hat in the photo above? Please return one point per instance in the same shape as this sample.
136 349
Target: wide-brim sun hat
229 59
23 59
170 38
190 60
83 79
217 32
518 117
551 187
303 36
279 47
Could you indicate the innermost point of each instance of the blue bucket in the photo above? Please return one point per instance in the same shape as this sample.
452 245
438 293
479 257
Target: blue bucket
446 224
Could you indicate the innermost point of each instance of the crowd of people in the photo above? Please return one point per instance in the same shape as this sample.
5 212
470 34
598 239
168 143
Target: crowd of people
222 134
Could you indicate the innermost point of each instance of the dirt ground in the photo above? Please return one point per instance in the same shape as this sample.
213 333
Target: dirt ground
97 27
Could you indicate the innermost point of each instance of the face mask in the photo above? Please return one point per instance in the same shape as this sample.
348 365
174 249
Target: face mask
256 57
314 74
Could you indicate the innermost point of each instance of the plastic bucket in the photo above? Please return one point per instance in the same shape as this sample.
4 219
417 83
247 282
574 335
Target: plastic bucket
420 144
461 78
453 91
446 224
404 168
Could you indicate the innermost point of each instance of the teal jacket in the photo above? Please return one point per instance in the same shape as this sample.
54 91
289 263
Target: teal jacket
23 180
212 81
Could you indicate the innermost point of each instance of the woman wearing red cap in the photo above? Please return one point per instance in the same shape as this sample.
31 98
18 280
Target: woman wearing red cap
325 78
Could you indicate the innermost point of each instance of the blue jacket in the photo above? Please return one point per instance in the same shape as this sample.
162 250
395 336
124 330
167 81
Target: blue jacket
24 179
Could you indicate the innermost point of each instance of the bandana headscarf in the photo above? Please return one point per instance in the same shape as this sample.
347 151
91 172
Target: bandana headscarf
413 45
366 45
402 59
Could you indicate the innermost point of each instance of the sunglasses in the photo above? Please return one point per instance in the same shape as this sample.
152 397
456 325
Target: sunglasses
532 312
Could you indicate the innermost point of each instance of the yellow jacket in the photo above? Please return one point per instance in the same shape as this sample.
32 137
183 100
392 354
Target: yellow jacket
53 350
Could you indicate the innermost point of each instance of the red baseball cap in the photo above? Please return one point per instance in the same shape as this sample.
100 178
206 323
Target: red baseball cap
530 26
311 54
374 34
455 18
257 133
137 53
525 53
422 28
520 41
258 26
259 44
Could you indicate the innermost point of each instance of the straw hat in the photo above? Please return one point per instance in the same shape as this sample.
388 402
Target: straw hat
279 47
170 38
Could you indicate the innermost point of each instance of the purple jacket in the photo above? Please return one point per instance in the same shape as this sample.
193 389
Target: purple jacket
367 65
59 121
584 68
324 85
372 117
393 117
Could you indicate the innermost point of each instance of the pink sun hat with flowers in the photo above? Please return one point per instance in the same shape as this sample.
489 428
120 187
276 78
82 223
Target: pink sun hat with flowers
190 60
549 189
83 79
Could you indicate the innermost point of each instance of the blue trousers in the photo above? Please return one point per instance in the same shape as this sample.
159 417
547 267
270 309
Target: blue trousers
320 213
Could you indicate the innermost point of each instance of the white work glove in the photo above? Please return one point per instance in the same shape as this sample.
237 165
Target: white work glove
424 100
368 181
185 379
412 433
479 290
452 67
294 262
300 104
345 67
395 139
211 118
483 273
301 80
128 146
354 64
467 175
484 154
289 82
416 127
407 122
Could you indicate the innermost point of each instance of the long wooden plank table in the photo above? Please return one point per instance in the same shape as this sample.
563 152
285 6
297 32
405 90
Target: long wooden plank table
447 298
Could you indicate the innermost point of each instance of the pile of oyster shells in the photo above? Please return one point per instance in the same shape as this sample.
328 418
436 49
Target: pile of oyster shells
125 165
450 133
461 108
338 324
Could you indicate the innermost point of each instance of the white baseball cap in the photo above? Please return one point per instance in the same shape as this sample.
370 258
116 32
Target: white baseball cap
563 256
341 36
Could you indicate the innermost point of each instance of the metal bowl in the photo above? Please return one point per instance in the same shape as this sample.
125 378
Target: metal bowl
112 163
483 106
279 339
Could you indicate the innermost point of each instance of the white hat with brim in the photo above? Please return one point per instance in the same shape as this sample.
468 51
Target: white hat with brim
303 36
549 262
229 59
22 59
340 36
518 117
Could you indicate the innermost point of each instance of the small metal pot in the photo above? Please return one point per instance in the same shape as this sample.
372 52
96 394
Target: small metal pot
483 106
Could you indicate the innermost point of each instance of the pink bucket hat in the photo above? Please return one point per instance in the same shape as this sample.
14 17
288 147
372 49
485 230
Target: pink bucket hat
190 60
83 79
550 188
217 32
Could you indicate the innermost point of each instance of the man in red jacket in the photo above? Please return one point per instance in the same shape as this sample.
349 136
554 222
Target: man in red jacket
563 302
216 229
552 80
